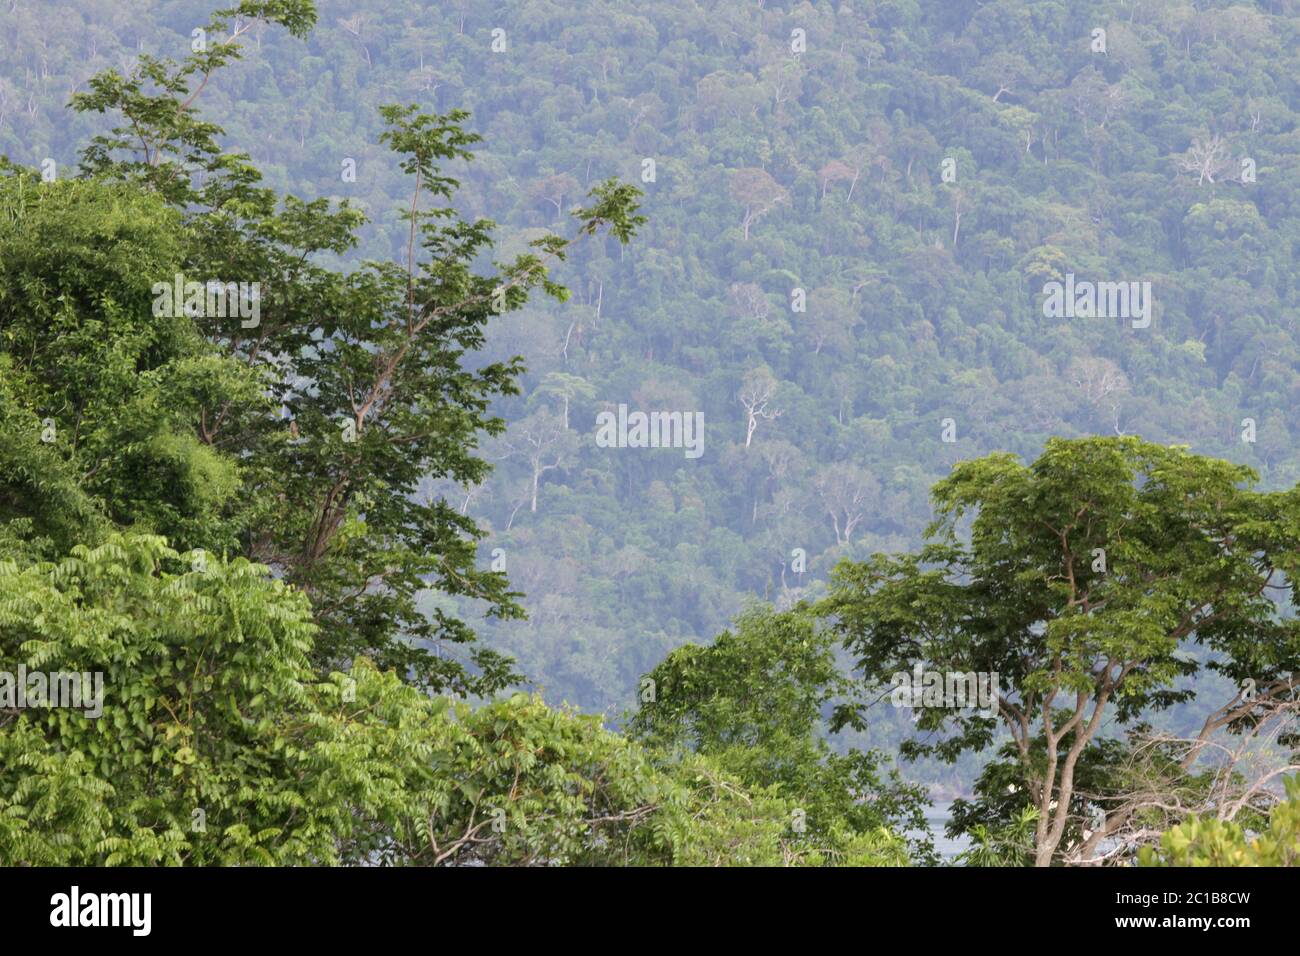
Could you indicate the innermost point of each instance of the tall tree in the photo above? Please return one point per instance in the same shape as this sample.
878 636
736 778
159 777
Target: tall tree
1085 579
754 701
365 371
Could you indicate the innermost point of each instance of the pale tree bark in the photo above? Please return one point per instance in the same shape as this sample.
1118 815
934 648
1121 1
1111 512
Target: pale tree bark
758 193
1244 770
847 492
1207 158
1052 788
755 395
544 443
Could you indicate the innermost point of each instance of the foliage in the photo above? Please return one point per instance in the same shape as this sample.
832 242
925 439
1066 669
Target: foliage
1206 841
216 745
302 436
1012 845
818 171
752 702
923 296
1086 576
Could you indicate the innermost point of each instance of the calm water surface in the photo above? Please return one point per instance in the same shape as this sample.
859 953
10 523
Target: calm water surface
937 818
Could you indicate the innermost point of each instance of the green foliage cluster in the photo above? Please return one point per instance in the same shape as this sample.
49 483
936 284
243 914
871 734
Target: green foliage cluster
1207 841
269 537
1096 583
186 523
752 701
219 745
923 296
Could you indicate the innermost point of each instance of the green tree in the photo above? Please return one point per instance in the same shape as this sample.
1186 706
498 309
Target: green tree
567 388
1085 578
753 702
365 372
99 395
209 740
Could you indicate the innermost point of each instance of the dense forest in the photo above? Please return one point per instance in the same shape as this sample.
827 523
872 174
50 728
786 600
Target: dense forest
367 582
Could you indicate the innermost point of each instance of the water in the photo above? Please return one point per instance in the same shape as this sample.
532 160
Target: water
936 818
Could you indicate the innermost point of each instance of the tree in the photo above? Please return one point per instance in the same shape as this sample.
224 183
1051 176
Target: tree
99 396
1004 73
554 189
758 193
527 785
847 492
215 744
838 171
544 442
752 701
669 546
757 329
755 395
328 500
1159 779
830 321
1205 841
1096 378
1085 577
566 387
1206 158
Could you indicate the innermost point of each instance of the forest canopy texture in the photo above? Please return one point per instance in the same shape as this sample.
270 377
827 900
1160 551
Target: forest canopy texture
324 330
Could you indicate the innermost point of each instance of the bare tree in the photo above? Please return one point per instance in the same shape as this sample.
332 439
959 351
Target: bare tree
783 461
1166 778
750 301
957 198
1004 73
544 443
1096 377
847 492
554 189
1207 157
756 394
783 80
473 493
353 26
838 171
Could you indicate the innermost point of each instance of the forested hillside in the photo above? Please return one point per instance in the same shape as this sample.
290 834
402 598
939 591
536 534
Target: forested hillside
806 257
967 333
